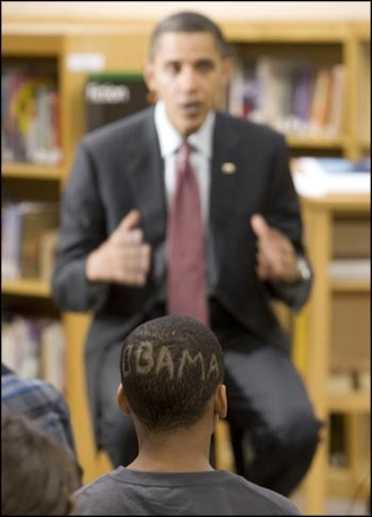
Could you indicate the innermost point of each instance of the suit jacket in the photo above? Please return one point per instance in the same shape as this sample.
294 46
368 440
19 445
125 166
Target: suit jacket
119 168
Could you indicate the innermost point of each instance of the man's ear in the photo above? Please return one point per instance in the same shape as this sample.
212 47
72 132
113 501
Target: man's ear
227 69
220 402
122 400
148 74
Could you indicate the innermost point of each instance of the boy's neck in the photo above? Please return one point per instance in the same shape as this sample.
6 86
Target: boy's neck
178 451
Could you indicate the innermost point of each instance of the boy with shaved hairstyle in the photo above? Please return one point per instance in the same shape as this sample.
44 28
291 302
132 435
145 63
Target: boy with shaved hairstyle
172 387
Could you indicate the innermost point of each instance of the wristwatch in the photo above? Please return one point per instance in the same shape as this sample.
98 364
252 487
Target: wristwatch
303 269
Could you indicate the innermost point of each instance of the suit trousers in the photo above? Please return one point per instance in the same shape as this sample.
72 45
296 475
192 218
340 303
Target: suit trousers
273 428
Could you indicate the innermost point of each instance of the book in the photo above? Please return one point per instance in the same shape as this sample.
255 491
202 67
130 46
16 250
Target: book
52 357
334 123
321 101
112 96
349 269
10 241
48 247
29 130
34 348
28 248
36 220
302 94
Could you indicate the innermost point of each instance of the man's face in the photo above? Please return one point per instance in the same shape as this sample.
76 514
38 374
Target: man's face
187 73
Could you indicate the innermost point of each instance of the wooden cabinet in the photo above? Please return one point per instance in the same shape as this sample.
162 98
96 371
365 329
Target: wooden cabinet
78 49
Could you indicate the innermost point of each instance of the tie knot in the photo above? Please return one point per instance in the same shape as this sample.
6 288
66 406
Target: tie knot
183 158
184 151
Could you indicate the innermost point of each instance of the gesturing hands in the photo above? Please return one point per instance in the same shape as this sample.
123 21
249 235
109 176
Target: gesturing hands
123 258
276 257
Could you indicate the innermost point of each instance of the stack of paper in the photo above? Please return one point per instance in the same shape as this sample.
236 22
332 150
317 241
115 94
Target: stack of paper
321 176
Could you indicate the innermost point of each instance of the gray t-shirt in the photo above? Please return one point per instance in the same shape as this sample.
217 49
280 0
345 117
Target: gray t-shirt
217 492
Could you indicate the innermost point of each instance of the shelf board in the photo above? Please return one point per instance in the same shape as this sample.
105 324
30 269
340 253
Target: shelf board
350 402
347 203
343 483
31 44
318 142
26 287
31 171
351 285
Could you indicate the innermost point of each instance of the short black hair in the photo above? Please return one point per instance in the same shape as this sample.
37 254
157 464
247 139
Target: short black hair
188 21
38 476
170 367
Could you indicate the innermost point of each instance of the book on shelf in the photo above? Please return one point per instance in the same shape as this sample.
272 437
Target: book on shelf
350 269
30 126
320 105
295 97
10 241
52 356
111 96
351 238
34 348
318 176
28 239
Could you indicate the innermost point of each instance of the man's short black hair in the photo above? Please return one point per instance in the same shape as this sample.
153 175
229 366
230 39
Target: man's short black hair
38 476
188 21
170 368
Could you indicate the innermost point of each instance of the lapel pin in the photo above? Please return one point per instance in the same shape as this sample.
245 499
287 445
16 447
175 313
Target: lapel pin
228 168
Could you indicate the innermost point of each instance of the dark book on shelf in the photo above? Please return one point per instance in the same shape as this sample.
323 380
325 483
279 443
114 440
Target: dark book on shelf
112 96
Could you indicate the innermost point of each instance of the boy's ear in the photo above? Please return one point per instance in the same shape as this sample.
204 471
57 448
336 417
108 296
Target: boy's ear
220 404
122 400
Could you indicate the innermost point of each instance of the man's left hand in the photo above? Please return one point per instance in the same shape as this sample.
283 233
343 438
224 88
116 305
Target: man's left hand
276 257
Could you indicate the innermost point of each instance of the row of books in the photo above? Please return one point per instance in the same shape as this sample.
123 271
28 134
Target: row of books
297 98
34 348
28 239
30 118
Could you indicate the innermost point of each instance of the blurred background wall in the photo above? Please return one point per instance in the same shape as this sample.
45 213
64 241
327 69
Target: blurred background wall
219 10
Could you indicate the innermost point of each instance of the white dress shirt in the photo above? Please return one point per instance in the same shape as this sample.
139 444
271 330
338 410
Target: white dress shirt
201 141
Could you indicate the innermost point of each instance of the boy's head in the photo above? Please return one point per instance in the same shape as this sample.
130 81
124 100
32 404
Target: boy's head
171 372
38 476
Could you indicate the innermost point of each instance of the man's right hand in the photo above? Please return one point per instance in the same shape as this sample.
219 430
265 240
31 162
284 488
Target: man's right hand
123 258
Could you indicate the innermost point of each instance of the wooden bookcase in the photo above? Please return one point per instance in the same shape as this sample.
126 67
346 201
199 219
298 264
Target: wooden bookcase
121 45
336 339
118 49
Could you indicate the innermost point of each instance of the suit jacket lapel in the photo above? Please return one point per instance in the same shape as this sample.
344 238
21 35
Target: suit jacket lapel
147 177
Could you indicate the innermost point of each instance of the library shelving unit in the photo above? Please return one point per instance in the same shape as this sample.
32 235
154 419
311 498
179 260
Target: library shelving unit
70 55
79 47
337 320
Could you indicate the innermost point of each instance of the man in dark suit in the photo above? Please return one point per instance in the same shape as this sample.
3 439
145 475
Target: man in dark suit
114 251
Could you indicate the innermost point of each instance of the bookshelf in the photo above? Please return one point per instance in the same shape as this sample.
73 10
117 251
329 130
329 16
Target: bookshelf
79 48
68 55
337 339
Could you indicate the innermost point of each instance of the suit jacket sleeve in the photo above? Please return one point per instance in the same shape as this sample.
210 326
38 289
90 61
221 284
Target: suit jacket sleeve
82 230
285 215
